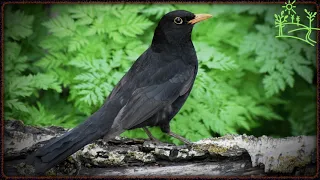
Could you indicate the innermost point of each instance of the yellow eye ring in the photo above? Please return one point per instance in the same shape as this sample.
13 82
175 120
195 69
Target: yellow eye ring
178 20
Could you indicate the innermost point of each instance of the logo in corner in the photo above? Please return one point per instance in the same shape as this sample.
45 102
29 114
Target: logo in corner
293 22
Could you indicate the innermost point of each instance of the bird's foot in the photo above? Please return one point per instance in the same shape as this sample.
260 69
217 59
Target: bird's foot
184 140
155 140
152 139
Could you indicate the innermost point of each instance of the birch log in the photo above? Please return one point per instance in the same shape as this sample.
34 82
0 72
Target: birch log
231 155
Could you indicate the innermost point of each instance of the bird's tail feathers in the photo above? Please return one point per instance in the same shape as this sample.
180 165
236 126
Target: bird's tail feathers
60 148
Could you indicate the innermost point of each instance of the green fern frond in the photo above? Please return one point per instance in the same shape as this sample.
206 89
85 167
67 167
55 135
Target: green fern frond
76 43
133 25
38 113
15 104
52 43
157 10
19 86
45 82
222 62
52 60
18 24
84 14
15 64
61 26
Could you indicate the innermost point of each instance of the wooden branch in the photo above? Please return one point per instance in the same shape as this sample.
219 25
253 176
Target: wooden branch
231 155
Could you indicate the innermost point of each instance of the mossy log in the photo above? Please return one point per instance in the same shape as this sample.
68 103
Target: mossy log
231 155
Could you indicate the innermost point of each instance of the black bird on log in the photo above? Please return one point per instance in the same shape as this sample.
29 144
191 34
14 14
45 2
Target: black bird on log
150 94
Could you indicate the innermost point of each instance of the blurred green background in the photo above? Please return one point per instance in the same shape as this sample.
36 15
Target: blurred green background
61 62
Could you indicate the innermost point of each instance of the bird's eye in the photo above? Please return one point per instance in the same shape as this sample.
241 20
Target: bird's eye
178 20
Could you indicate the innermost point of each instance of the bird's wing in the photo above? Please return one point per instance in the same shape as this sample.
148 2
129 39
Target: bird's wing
147 100
128 78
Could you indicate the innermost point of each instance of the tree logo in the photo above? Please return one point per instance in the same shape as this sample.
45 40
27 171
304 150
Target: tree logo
282 20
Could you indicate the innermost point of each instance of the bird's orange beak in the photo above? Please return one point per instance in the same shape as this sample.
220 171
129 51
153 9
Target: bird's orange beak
200 17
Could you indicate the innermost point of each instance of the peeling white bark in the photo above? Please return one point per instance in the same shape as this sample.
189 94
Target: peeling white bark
276 154
235 155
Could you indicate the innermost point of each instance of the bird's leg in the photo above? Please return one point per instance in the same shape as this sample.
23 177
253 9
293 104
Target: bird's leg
150 135
179 137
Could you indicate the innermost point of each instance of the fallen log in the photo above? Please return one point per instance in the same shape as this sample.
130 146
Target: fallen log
230 155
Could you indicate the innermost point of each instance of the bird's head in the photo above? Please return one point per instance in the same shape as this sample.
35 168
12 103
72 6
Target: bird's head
176 27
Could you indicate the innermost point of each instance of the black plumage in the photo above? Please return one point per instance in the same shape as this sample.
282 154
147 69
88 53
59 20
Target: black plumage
150 94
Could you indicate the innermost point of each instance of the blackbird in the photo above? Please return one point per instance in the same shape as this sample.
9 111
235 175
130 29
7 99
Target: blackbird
150 94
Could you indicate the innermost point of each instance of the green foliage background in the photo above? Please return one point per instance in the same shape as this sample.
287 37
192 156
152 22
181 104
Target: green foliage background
61 62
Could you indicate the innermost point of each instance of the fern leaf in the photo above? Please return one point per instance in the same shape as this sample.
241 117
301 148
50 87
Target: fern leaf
84 14
14 63
157 10
133 25
16 104
265 112
61 26
19 86
304 71
99 26
45 82
52 43
76 43
300 66
40 116
18 25
12 50
52 60
222 62
287 73
273 83
269 67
